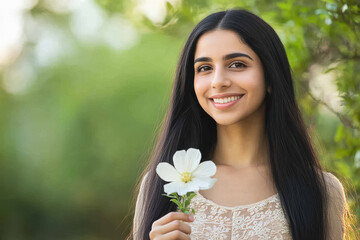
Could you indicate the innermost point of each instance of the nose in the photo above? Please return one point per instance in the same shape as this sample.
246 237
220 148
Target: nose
220 80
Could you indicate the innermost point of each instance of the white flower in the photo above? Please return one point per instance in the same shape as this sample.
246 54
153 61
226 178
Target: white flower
188 175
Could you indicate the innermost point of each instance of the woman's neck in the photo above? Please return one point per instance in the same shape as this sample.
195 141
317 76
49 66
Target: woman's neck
242 145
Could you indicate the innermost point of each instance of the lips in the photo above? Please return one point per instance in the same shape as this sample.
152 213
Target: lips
225 95
223 106
226 98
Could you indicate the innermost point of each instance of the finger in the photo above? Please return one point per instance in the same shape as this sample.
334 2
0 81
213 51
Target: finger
171 216
173 226
175 235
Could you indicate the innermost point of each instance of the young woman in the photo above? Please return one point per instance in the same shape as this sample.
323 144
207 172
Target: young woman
233 99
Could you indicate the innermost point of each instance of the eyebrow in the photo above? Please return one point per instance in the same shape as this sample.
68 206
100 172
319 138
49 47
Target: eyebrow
226 57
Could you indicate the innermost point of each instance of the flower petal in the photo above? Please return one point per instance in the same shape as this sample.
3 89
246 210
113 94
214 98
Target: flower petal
174 187
205 169
192 159
167 172
189 187
181 188
179 161
204 183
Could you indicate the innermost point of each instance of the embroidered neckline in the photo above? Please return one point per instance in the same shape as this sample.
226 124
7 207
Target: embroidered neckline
268 199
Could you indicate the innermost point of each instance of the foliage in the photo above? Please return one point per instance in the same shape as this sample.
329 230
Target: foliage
182 201
75 141
315 33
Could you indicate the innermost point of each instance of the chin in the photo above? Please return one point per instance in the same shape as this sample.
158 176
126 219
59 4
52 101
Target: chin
226 121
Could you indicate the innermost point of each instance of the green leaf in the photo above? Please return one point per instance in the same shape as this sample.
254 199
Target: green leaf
169 6
168 196
339 134
182 209
176 202
329 70
192 195
193 211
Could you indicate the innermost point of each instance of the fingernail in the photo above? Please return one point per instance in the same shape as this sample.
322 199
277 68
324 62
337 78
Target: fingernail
191 218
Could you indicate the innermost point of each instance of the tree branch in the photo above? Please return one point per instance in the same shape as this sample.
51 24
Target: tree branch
347 122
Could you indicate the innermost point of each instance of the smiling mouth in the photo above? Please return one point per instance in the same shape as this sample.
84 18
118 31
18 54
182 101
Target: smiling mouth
227 99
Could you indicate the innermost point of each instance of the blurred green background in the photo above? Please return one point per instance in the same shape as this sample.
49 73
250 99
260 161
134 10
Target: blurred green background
84 85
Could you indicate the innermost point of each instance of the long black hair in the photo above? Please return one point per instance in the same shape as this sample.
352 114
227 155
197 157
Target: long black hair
295 168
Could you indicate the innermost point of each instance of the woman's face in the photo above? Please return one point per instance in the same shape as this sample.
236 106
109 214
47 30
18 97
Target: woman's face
229 79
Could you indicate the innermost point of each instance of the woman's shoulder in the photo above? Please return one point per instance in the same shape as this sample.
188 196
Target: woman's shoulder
337 206
141 190
143 181
333 185
139 207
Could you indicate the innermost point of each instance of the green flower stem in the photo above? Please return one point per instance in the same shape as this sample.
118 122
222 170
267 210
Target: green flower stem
182 201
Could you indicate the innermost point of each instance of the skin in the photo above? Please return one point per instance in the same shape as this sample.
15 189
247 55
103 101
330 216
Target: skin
241 152
240 128
171 226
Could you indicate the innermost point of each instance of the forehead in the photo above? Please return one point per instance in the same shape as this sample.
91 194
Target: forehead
220 42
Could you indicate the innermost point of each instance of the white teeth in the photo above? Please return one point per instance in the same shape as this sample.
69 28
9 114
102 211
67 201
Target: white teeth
226 100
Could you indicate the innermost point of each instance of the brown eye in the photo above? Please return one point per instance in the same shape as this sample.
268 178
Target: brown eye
238 65
203 68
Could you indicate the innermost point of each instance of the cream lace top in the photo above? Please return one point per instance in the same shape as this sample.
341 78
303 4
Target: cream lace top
261 220
257 221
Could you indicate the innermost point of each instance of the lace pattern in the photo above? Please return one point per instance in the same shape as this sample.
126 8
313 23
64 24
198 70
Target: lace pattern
263 220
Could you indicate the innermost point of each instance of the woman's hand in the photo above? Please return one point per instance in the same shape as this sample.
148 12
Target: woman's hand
172 227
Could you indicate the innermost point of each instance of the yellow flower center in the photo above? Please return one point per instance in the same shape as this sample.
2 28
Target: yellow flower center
186 177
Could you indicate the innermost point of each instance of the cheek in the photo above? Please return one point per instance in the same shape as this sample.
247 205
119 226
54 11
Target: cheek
200 87
254 83
255 87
